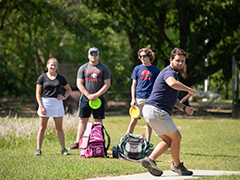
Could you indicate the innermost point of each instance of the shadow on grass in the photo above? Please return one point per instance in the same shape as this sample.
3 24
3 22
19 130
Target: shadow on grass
207 155
227 156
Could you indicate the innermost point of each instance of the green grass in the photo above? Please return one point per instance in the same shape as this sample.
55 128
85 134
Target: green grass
207 144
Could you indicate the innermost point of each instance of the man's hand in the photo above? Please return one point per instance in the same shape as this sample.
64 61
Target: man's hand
92 97
189 110
192 92
133 102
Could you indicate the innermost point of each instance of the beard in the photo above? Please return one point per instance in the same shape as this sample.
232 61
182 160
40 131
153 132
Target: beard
176 68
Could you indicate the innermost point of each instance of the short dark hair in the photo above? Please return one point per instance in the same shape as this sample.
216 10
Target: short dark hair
177 51
149 53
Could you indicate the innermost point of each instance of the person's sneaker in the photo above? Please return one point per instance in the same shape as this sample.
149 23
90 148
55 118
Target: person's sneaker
180 169
38 152
65 152
74 146
151 166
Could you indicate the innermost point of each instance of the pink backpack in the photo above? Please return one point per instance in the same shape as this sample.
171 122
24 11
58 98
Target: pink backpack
93 142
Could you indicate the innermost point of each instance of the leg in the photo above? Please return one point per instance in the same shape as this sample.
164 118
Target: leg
98 120
84 114
176 165
150 163
148 132
133 122
81 128
132 125
58 125
175 146
161 147
42 128
99 114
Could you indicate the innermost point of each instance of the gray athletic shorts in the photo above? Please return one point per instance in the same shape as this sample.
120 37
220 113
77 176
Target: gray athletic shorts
140 104
160 121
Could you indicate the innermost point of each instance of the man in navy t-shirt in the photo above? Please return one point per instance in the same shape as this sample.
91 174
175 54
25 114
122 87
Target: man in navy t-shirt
157 113
143 78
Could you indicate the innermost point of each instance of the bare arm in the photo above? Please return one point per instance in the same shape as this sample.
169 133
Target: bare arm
173 83
39 100
107 83
67 93
187 109
81 87
133 92
94 96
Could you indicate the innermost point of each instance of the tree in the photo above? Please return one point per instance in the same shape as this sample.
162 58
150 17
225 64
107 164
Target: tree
34 30
205 29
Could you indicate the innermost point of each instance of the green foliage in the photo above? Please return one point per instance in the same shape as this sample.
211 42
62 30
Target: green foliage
208 143
202 28
33 31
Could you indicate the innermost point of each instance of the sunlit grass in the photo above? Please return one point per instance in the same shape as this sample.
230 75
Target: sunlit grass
207 143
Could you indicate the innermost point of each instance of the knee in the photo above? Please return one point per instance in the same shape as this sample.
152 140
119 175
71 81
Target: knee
59 128
168 142
83 122
42 128
179 137
133 121
98 120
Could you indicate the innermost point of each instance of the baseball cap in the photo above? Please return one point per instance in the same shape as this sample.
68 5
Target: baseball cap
93 49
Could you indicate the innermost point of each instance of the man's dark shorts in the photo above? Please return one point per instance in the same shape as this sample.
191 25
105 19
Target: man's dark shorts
85 110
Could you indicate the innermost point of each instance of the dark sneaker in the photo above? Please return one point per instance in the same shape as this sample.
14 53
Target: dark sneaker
180 169
65 152
150 144
38 152
74 146
151 166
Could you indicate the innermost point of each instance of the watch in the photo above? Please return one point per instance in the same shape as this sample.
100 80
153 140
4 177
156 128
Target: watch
184 107
64 96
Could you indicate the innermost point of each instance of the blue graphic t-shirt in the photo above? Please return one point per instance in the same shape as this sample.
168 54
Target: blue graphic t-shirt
163 96
145 77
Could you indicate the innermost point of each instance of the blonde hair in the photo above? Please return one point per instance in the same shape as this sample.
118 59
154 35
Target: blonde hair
53 59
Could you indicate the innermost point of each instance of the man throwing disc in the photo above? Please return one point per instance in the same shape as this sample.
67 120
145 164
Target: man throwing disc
157 113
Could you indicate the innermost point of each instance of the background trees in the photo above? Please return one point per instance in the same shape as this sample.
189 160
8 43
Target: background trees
205 29
32 31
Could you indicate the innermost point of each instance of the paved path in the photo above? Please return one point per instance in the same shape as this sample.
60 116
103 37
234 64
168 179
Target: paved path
169 175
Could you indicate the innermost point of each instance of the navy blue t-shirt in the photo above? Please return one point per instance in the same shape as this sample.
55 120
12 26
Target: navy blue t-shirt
145 77
51 88
163 96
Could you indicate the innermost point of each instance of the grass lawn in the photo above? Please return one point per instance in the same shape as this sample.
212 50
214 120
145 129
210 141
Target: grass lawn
207 144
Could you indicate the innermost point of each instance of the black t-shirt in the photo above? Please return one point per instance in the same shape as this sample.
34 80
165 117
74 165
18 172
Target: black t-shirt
51 88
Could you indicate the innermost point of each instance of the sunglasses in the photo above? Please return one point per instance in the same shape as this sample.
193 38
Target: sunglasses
143 56
94 54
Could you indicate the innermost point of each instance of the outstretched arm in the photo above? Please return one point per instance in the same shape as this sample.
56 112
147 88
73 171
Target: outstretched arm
173 83
187 109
